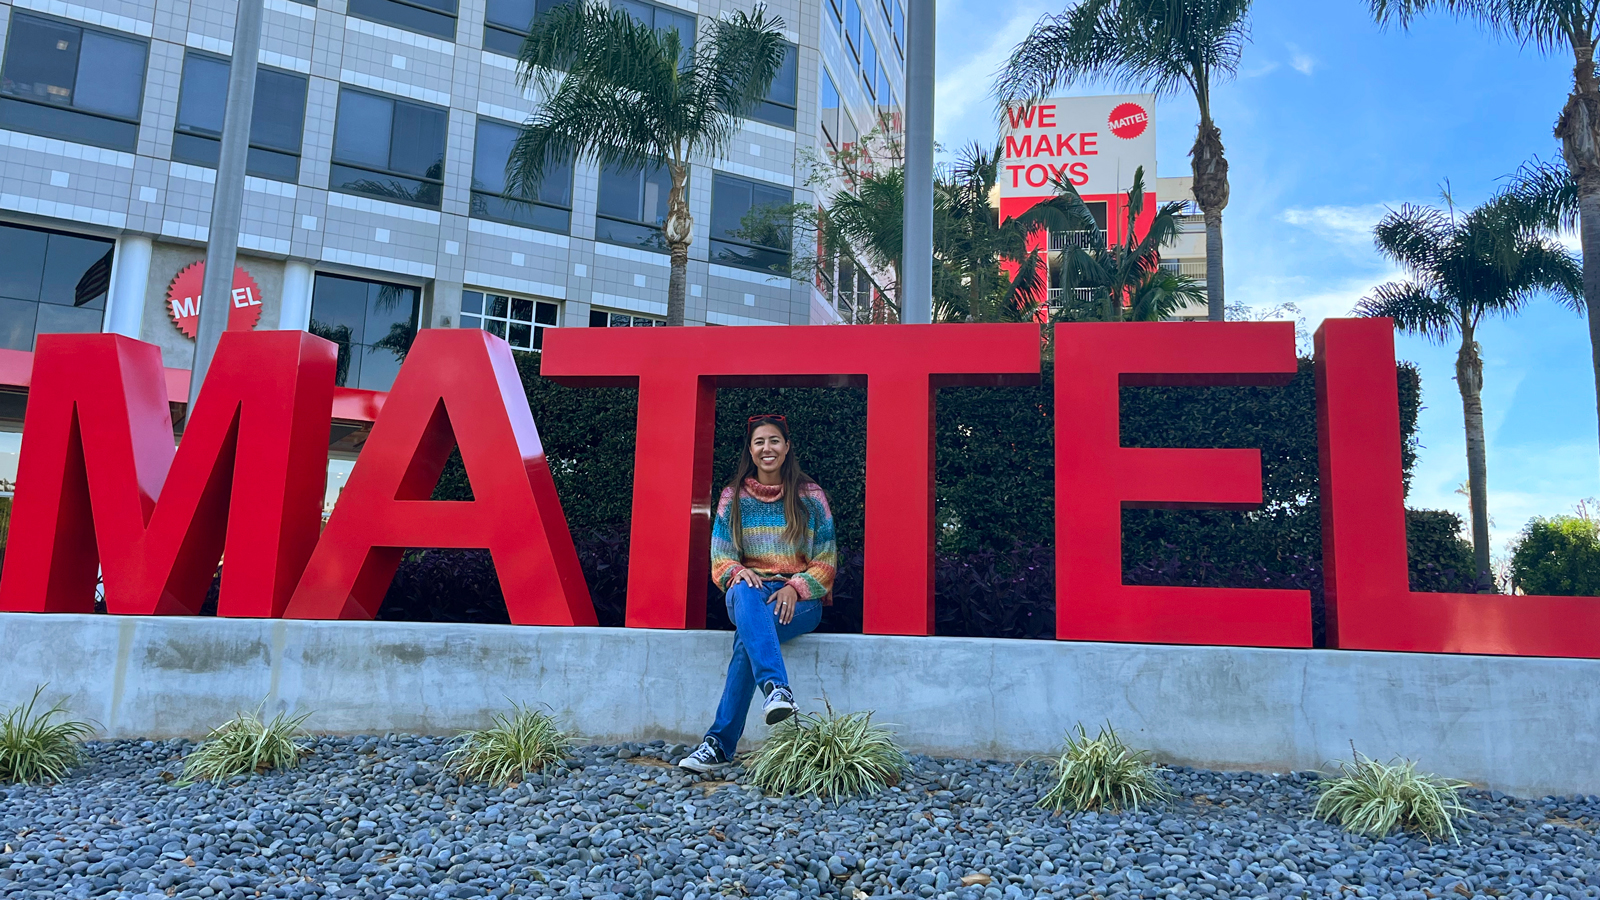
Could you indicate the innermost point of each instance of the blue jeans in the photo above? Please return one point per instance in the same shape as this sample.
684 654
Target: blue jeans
756 658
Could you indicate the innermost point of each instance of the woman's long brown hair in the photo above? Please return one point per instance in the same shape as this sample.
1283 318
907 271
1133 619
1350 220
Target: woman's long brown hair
795 514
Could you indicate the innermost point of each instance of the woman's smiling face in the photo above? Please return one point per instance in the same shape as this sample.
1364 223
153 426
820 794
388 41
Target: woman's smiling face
768 449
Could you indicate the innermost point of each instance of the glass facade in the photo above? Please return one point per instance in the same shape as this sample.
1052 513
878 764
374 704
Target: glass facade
50 283
519 320
599 318
409 117
779 107
507 22
388 148
549 209
661 18
632 207
74 83
373 322
431 17
750 224
277 121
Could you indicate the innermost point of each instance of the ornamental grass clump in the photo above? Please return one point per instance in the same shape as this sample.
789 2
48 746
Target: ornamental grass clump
38 746
523 743
830 755
1101 773
1375 799
246 745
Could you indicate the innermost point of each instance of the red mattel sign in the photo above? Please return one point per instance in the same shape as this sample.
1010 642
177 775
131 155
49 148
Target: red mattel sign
183 300
101 489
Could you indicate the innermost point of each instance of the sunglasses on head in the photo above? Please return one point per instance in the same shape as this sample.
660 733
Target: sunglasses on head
757 420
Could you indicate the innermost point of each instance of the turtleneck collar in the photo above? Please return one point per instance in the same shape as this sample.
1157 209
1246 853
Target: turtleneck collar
766 493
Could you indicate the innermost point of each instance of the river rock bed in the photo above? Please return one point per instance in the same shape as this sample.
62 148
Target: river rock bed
381 817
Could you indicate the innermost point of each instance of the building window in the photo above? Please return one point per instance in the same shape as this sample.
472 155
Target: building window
890 116
869 64
829 106
435 17
373 322
852 296
50 283
778 107
750 224
549 210
661 18
852 26
388 148
632 207
899 27
520 321
599 318
507 23
276 122
73 83
837 11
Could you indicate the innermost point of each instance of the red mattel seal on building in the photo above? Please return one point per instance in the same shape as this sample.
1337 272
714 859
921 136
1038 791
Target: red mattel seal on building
1128 120
183 299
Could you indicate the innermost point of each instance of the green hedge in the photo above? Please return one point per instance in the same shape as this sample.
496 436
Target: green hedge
995 475
1558 556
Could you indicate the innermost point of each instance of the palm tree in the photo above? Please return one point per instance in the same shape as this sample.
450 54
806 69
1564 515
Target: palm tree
627 96
1161 46
983 268
864 223
1125 281
1463 269
1550 26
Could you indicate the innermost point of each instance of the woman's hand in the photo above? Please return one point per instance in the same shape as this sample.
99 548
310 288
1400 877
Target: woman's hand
783 603
746 578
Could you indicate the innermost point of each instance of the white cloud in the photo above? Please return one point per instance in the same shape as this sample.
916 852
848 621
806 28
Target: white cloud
1565 476
1316 299
1264 68
1301 61
1345 224
963 100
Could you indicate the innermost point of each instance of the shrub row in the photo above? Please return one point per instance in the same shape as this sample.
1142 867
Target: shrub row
995 482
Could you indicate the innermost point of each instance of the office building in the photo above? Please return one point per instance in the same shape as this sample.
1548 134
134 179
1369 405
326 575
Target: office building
376 198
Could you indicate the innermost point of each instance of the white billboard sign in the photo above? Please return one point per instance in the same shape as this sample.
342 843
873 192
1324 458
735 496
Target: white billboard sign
1095 143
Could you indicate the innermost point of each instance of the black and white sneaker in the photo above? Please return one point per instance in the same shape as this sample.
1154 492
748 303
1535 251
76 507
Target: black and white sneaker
707 757
779 705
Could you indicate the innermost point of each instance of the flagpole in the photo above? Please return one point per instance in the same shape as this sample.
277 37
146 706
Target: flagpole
227 199
916 257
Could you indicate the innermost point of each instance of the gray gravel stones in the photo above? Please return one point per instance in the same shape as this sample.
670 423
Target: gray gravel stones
379 817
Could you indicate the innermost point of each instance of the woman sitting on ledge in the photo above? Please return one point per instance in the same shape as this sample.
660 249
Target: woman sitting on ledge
772 553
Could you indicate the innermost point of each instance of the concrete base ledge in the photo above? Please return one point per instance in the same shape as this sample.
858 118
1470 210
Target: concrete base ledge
1524 726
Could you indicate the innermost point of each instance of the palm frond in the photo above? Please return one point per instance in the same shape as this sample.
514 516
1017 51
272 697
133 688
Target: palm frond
1545 266
1413 236
1545 24
1161 294
1414 308
730 71
622 94
1543 194
1155 45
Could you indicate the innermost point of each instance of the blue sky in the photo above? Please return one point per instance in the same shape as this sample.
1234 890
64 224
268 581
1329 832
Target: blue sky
1330 122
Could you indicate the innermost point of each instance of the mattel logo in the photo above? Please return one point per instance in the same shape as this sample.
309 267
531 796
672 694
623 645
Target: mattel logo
183 300
1128 120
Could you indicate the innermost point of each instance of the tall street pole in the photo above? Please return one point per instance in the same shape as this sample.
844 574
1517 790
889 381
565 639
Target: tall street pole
227 200
916 279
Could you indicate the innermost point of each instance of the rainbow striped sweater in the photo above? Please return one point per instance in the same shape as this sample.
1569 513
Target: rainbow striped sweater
809 568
